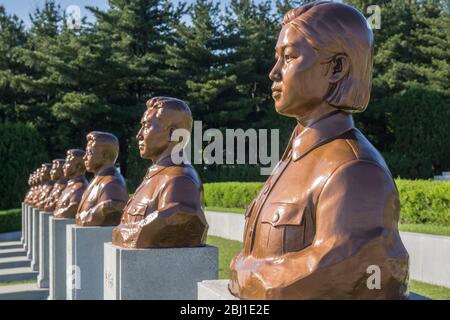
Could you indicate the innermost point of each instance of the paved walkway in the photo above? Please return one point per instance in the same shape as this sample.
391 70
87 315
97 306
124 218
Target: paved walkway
14 268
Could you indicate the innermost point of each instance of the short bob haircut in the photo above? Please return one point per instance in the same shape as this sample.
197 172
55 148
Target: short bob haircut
334 28
106 141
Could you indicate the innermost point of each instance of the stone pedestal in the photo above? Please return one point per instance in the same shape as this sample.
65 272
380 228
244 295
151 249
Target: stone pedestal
43 277
29 232
218 290
25 229
215 290
154 274
22 236
57 257
35 240
85 246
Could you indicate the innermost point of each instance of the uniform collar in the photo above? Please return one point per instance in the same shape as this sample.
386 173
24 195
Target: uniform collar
160 165
108 171
319 132
76 179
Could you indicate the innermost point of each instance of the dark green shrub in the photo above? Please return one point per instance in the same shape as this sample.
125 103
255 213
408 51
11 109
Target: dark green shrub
420 120
10 220
21 152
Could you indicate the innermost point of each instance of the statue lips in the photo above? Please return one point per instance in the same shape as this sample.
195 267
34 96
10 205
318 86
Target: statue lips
276 92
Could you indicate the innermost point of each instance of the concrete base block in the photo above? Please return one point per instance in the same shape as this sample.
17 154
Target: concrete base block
29 232
57 257
154 274
22 238
85 256
43 277
214 290
35 240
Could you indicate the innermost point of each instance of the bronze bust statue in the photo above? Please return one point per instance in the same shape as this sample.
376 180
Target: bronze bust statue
106 195
57 175
70 198
29 193
34 197
34 188
165 211
46 185
329 212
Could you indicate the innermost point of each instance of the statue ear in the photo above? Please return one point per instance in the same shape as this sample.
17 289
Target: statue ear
338 68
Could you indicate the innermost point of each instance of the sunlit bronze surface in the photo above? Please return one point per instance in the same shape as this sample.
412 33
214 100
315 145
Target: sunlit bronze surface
34 198
165 211
46 185
70 198
31 189
105 197
57 175
329 212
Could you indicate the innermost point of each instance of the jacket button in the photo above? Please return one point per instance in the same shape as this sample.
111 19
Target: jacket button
276 217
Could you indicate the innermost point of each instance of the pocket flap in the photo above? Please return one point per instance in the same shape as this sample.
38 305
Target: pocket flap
283 213
137 209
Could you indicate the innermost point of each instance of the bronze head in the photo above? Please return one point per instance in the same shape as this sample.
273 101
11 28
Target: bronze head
74 163
163 116
56 172
324 57
102 150
45 172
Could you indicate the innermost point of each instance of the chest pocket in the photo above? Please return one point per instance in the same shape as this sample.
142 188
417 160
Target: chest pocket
137 209
283 214
284 227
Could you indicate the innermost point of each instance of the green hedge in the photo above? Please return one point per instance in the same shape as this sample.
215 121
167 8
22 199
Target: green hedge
10 220
422 201
230 194
22 150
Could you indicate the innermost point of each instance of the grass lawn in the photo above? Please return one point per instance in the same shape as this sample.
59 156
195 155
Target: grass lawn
229 248
429 290
419 228
16 282
426 228
231 210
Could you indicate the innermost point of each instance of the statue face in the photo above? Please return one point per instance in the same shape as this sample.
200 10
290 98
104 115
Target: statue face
57 171
153 137
95 157
70 166
45 174
300 80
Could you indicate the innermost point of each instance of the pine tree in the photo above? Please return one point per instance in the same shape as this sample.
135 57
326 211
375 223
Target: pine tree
12 39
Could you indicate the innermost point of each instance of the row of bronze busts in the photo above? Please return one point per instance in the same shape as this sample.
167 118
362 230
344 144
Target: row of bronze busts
165 211
328 213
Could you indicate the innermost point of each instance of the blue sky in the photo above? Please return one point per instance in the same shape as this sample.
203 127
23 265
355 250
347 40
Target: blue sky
22 8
